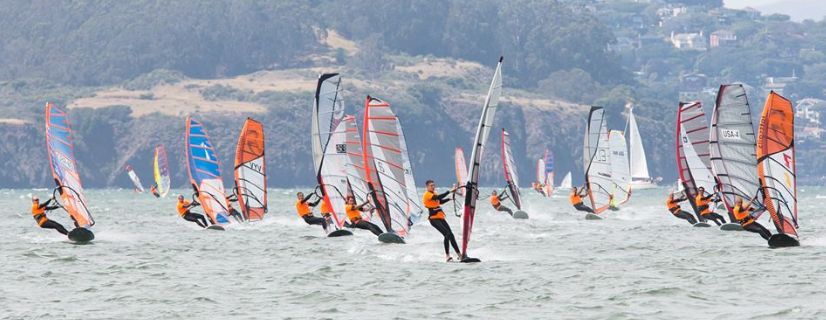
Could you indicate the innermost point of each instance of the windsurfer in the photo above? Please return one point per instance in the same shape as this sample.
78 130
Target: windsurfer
576 199
612 204
354 215
231 210
743 214
154 190
703 201
39 214
496 201
433 202
538 187
304 210
674 208
183 211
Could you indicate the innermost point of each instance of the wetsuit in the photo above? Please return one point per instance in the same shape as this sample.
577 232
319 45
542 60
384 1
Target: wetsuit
496 202
436 216
743 215
356 221
39 215
675 209
154 191
183 211
576 201
302 207
231 211
703 206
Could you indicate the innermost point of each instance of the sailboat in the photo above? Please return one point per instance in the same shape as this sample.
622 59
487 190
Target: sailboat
68 190
511 176
388 171
482 132
693 160
640 177
160 170
776 169
204 170
566 183
545 173
597 160
251 171
621 178
136 181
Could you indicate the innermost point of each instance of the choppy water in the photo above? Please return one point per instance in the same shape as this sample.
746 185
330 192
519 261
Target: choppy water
640 263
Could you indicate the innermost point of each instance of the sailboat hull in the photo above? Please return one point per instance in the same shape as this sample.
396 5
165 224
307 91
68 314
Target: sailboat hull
643 185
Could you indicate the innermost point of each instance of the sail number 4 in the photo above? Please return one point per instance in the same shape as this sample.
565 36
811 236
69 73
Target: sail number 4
730 134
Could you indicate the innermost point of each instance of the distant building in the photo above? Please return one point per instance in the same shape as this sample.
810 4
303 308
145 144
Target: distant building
688 41
777 84
692 85
722 38
807 119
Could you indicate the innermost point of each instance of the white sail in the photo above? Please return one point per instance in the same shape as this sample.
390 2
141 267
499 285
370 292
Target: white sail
566 182
619 167
597 161
639 163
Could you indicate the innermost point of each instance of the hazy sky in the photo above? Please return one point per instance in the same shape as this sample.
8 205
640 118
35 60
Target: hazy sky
799 10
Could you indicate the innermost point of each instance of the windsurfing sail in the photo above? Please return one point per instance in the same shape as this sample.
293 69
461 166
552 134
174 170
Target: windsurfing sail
160 165
134 177
549 173
354 166
461 169
566 182
733 145
597 160
251 171
482 132
329 148
776 163
204 171
60 145
388 171
639 163
620 175
540 172
693 161
509 169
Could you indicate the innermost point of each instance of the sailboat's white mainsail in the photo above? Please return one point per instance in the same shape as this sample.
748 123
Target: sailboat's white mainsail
639 163
566 182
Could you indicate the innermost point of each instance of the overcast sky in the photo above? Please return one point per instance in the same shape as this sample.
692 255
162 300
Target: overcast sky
799 10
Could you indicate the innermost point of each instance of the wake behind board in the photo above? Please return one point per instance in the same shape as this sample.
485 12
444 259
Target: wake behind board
81 235
591 216
389 237
781 240
215 227
731 227
340 233
520 215
702 225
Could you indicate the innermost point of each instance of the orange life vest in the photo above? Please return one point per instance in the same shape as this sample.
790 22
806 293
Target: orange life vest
302 208
742 215
352 214
39 214
325 208
495 202
575 199
672 205
702 204
434 207
182 207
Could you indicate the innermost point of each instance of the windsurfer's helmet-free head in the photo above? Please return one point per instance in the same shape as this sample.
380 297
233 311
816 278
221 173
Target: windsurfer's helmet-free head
181 197
35 198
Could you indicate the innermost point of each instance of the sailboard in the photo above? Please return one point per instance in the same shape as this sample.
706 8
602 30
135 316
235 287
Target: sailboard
134 178
388 171
69 190
732 147
776 169
548 179
640 177
461 169
620 175
482 132
251 171
160 169
204 170
693 158
597 160
566 183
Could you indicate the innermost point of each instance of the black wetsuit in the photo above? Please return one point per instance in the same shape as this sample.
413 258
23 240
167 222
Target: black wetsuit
679 213
309 218
502 197
195 217
718 219
367 225
437 220
749 224
48 223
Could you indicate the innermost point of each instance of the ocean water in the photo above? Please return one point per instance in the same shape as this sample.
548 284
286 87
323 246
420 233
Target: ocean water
639 263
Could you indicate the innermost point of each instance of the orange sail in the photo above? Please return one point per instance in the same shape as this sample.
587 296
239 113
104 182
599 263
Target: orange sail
776 163
251 171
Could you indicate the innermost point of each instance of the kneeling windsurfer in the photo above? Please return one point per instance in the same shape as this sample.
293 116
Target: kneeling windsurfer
39 214
183 211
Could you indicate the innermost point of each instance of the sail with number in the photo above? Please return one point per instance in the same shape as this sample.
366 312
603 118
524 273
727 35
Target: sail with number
134 177
566 183
548 180
160 168
328 142
620 175
597 161
733 145
509 169
693 160
482 132
251 171
461 169
388 169
204 171
354 165
776 163
61 149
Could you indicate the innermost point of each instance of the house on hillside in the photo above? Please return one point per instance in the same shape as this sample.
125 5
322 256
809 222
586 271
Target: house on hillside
722 38
689 41
807 119
777 84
